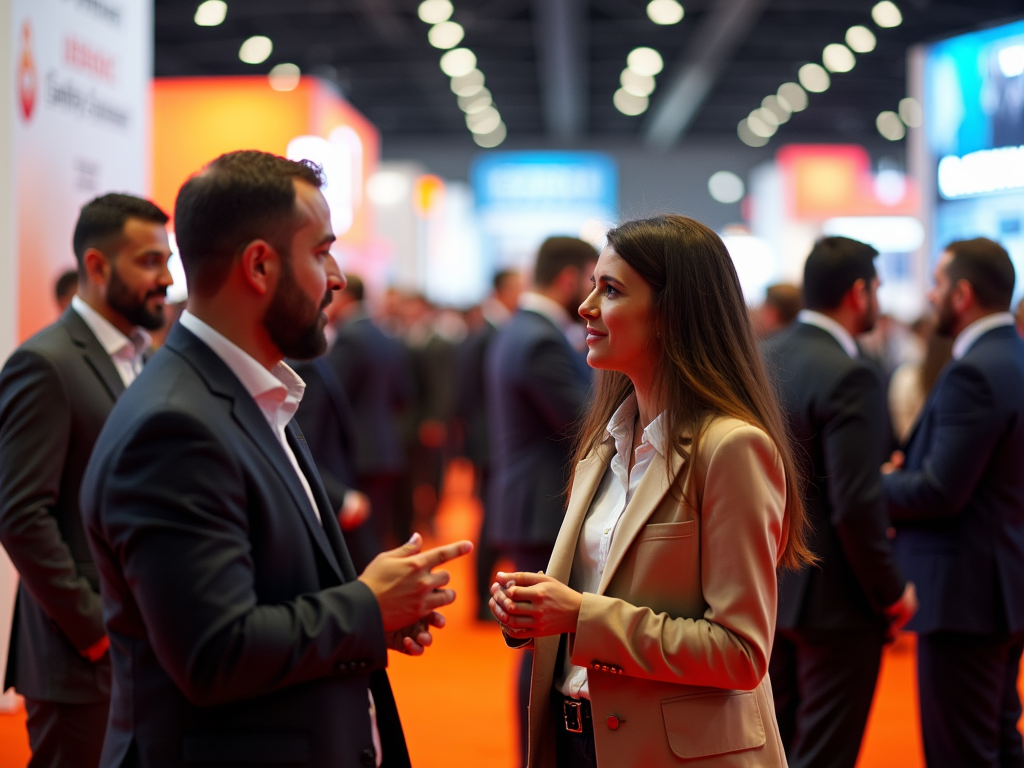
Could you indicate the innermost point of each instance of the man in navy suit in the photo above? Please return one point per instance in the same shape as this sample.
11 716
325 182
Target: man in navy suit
239 631
959 504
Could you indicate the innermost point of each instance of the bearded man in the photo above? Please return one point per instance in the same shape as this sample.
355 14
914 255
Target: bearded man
56 391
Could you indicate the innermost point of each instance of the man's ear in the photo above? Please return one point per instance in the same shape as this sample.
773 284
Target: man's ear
963 296
860 295
261 266
97 266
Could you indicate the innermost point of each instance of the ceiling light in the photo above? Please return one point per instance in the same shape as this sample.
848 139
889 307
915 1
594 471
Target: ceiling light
911 112
838 58
748 137
446 35
435 11
890 126
256 50
793 96
759 126
1011 60
211 13
468 84
484 121
477 102
285 77
458 61
765 116
777 107
814 78
635 83
726 187
628 104
492 139
860 39
387 187
665 12
645 61
886 14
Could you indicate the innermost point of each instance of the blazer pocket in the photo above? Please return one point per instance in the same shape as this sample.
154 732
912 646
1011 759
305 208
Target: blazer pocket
655 531
715 723
248 748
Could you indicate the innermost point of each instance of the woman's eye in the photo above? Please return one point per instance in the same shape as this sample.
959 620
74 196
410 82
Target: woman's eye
610 291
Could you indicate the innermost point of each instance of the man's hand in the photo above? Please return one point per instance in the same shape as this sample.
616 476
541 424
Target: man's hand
403 584
902 611
414 640
355 510
534 605
894 463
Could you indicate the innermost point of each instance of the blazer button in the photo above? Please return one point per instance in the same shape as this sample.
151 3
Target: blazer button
613 722
368 758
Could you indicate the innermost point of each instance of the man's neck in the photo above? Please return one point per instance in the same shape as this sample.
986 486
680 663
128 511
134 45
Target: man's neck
104 310
850 322
555 296
245 333
970 317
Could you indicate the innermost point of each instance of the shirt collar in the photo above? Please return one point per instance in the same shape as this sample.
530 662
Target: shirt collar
620 428
969 335
830 326
278 387
108 335
549 308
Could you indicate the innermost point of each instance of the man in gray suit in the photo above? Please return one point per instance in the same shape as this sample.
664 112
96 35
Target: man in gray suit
56 391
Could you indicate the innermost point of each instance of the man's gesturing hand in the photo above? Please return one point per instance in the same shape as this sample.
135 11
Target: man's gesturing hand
403 584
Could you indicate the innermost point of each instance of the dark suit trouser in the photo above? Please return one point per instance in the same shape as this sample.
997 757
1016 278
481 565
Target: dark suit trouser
967 685
823 683
65 735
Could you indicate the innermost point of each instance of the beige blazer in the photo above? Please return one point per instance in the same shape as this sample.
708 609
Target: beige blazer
678 637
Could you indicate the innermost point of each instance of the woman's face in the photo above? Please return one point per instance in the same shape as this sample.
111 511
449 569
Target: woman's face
620 327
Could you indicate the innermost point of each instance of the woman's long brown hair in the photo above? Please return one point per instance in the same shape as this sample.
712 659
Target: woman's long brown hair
709 362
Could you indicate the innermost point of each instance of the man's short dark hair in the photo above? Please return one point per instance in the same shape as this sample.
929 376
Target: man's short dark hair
237 198
66 285
355 287
986 265
501 276
101 222
786 299
833 266
557 253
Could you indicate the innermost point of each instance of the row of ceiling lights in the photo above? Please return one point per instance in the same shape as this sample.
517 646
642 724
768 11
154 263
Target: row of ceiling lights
763 122
637 80
467 81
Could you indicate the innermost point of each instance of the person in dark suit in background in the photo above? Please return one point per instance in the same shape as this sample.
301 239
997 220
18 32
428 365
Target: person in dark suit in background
958 502
834 616
374 373
65 288
537 387
327 422
56 391
239 630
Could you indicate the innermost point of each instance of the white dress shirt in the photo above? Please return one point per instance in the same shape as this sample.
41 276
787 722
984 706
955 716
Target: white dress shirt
610 502
125 351
966 338
827 324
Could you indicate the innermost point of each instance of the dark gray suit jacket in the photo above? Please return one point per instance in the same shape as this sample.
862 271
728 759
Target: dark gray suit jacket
56 391
537 386
238 630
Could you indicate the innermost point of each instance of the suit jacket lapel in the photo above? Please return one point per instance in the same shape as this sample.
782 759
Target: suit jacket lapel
95 355
585 484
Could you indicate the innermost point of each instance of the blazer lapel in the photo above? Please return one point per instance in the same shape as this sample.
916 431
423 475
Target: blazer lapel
652 489
95 355
588 477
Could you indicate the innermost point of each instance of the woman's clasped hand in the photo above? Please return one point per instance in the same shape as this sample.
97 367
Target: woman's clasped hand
534 605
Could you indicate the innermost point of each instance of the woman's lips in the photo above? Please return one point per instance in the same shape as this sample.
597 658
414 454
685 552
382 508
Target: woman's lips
594 336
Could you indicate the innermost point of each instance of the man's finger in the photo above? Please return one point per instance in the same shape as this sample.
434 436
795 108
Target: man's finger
435 619
437 579
410 548
435 557
425 639
439 599
411 647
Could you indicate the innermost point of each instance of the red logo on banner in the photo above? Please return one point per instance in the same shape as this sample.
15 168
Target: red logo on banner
28 79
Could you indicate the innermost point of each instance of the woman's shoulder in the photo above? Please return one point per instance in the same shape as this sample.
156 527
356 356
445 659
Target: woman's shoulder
726 432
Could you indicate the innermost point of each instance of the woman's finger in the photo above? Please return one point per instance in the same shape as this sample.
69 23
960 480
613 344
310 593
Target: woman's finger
524 578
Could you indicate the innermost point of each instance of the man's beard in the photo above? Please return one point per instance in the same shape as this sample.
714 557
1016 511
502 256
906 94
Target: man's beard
945 317
122 301
293 320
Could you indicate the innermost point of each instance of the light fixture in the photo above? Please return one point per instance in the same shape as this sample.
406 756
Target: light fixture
285 77
211 13
435 11
628 104
748 137
468 84
446 34
387 187
814 78
890 126
477 102
911 113
484 121
777 107
838 58
458 61
760 126
793 96
665 12
860 39
491 139
635 83
256 50
726 187
1011 60
645 61
886 15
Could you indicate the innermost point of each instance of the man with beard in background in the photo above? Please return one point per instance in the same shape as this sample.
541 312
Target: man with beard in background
56 391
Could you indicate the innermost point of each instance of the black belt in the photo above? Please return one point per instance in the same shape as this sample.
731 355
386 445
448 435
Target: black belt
576 713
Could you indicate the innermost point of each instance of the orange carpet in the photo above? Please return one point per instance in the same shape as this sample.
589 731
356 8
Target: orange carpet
457 701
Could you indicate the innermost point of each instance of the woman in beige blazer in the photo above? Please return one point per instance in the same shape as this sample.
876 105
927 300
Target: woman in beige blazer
652 627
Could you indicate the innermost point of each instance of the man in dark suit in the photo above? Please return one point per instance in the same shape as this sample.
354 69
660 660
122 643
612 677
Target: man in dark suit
239 631
55 393
374 372
835 616
537 386
959 507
